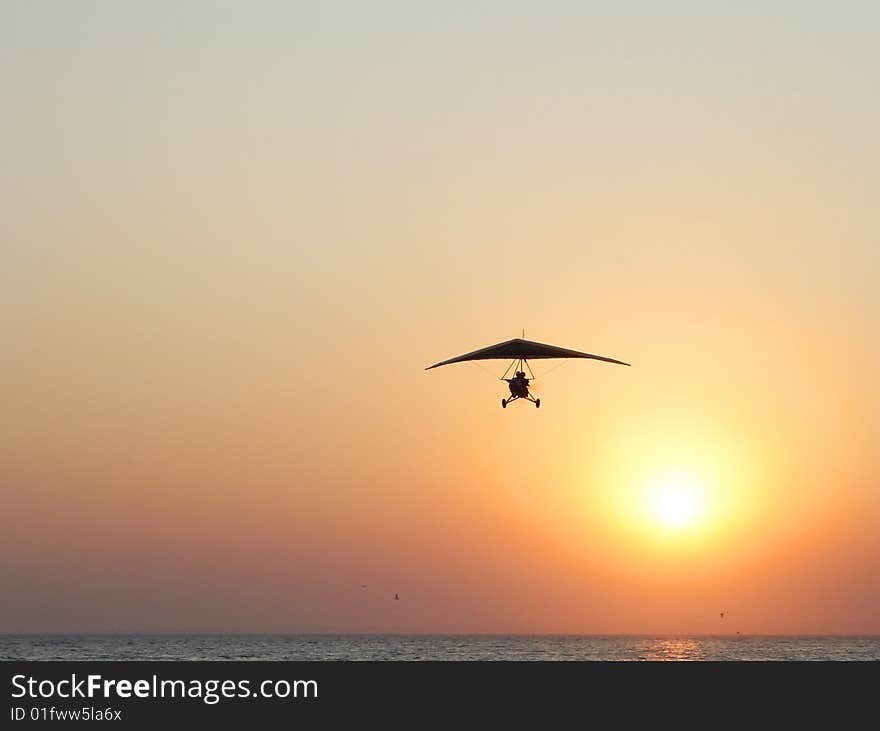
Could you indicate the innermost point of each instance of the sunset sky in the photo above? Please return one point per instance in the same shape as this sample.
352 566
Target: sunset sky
234 234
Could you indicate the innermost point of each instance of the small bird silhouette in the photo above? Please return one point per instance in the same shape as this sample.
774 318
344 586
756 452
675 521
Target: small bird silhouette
363 586
722 615
396 598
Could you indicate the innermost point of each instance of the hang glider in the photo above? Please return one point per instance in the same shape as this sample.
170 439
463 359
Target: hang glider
521 351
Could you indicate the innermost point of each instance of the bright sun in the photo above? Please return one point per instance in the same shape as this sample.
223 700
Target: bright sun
675 498
676 506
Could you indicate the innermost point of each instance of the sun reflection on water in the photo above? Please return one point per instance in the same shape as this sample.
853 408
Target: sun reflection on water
675 649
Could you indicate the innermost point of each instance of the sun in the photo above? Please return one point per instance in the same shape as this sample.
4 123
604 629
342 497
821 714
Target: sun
675 498
676 506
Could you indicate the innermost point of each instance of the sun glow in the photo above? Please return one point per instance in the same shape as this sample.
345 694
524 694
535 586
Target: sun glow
675 497
677 484
676 506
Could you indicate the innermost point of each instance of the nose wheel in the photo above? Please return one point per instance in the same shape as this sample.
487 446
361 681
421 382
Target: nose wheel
503 404
537 403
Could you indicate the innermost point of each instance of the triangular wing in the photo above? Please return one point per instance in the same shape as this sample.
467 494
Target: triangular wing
519 348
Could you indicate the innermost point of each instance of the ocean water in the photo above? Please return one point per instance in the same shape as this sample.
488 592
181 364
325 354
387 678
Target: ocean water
435 647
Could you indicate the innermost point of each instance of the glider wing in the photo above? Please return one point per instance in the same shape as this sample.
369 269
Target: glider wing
526 349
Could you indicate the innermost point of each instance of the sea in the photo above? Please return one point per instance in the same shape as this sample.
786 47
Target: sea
439 647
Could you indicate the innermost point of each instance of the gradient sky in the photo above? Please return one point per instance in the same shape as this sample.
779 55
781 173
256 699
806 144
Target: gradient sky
233 235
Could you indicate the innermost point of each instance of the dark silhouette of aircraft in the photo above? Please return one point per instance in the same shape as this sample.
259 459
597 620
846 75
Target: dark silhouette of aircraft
722 615
519 388
396 598
521 351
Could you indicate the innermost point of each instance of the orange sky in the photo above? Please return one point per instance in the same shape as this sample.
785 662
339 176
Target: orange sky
234 238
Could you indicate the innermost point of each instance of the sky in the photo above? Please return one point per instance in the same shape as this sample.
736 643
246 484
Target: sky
234 234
